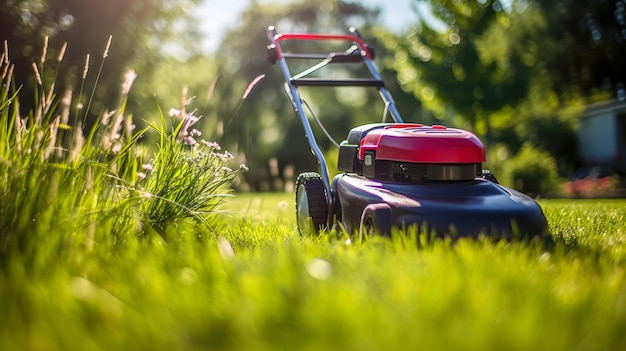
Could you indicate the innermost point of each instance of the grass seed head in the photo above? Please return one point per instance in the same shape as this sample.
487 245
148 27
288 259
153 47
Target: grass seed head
53 129
105 118
129 127
114 133
18 134
66 102
129 79
37 75
77 143
86 69
44 51
62 52
106 49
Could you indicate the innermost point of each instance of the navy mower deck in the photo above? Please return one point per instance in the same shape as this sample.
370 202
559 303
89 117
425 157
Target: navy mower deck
396 174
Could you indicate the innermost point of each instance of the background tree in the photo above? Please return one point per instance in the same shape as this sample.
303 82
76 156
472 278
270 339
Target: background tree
513 71
141 31
587 43
468 71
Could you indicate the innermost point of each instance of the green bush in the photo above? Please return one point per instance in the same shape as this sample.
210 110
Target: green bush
532 171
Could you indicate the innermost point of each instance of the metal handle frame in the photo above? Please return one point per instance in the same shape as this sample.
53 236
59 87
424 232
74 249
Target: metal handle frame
292 83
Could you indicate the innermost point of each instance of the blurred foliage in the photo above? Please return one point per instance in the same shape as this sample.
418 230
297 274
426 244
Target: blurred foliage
464 71
264 126
531 171
513 71
586 42
141 30
177 83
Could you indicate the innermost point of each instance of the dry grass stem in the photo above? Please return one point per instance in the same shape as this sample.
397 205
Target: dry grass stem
86 69
44 51
66 102
129 79
37 76
4 71
77 143
9 77
48 98
54 130
105 118
252 84
129 126
115 127
38 115
212 87
18 133
62 52
6 51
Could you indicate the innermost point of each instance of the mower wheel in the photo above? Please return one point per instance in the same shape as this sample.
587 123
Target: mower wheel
487 175
311 204
376 219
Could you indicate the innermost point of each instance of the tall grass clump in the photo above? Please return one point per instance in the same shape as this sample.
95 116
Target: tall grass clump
63 185
187 179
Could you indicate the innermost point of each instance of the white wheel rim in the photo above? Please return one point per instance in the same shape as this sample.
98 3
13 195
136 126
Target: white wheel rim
302 211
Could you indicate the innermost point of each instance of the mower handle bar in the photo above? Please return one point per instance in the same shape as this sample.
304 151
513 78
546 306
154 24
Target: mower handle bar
277 38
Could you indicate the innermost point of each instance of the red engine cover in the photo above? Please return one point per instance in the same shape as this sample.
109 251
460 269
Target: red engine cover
407 142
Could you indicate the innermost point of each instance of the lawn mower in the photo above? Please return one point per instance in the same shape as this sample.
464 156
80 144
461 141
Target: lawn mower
395 174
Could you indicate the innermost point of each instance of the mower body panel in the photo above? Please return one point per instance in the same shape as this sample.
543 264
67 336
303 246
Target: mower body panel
460 209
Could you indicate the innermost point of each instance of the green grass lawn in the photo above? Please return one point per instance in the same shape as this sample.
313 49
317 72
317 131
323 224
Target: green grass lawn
256 284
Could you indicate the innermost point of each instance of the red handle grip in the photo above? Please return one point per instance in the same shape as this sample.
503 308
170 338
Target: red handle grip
304 36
